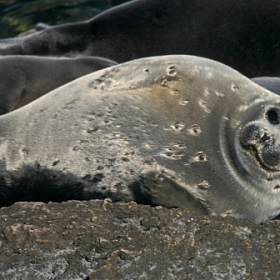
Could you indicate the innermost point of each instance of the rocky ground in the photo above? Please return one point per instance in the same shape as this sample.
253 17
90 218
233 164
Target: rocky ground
103 240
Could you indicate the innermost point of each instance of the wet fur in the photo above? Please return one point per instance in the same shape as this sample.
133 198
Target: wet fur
35 183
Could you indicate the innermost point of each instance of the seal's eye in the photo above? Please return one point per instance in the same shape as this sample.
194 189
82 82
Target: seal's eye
273 116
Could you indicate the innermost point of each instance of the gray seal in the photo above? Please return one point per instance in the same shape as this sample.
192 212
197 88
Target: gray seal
171 131
241 34
26 78
270 83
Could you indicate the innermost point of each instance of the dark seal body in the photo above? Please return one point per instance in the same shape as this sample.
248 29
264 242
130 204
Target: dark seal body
26 78
241 34
171 130
270 83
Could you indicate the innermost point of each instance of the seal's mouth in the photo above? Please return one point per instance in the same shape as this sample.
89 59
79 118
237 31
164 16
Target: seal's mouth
262 139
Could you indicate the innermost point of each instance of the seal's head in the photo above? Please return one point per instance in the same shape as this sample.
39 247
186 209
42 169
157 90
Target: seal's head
262 138
255 156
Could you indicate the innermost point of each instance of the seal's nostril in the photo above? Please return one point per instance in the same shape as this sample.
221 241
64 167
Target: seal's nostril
273 116
265 137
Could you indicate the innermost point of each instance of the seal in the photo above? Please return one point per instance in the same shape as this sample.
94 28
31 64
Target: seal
171 130
270 83
240 34
26 78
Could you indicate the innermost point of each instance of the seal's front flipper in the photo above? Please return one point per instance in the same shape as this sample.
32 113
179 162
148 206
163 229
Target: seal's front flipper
162 190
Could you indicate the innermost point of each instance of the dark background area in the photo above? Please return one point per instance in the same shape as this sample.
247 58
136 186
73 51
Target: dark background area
17 16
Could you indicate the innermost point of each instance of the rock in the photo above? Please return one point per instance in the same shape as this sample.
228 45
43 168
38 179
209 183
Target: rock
103 240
